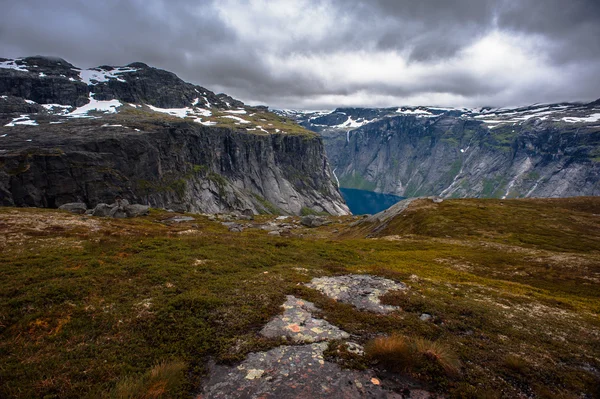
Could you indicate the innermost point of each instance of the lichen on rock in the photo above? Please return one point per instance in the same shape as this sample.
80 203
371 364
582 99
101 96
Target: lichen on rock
361 291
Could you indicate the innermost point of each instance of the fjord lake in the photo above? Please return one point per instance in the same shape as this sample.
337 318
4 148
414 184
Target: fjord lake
363 202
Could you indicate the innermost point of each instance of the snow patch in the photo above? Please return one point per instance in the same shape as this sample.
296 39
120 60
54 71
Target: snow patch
182 112
590 118
419 112
96 75
236 111
351 123
95 105
240 120
22 120
62 109
10 64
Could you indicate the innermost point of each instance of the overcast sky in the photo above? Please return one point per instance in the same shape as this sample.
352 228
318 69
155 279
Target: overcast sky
321 54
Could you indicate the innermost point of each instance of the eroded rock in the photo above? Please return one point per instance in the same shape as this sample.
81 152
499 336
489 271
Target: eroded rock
292 372
297 324
78 208
313 221
361 291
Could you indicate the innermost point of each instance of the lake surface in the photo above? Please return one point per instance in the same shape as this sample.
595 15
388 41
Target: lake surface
361 202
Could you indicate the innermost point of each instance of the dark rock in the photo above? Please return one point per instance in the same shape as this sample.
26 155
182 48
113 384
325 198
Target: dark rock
102 210
78 208
117 213
136 210
178 165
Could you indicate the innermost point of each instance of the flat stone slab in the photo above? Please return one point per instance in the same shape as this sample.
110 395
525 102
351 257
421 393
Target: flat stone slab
359 290
297 324
179 219
292 372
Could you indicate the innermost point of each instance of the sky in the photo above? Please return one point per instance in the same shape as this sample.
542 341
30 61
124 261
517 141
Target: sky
323 54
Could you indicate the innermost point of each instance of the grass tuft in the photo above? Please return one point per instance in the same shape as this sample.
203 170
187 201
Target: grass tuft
439 353
162 381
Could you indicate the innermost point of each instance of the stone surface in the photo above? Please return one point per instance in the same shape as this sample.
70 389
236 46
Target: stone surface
313 221
292 372
74 207
102 210
136 210
179 219
426 317
297 324
360 290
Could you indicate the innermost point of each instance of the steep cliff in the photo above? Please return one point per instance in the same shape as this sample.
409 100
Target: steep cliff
538 151
145 135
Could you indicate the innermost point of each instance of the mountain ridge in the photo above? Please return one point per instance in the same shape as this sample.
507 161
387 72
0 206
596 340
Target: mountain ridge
541 150
141 133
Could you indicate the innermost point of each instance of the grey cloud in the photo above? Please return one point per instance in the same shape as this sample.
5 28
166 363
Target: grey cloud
191 38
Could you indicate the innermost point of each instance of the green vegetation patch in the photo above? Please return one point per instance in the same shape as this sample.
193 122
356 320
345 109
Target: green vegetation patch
93 307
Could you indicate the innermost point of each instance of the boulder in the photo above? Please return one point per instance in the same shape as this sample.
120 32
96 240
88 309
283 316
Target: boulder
136 210
313 221
78 208
102 210
117 213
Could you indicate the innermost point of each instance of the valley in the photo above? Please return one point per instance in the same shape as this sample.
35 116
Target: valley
548 150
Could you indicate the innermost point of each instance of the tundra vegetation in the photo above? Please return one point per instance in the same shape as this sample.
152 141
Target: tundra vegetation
126 308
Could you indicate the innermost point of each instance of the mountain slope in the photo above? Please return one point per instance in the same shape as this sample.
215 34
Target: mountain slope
143 134
536 151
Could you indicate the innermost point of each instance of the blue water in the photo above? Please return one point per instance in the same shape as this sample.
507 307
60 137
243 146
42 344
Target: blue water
362 202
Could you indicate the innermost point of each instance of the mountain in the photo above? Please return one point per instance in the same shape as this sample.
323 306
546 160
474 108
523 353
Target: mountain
143 134
550 150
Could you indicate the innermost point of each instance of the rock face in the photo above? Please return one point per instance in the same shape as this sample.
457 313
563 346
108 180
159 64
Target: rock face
538 151
177 165
142 134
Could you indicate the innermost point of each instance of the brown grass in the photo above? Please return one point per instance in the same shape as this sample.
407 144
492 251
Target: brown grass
159 382
393 352
439 353
399 353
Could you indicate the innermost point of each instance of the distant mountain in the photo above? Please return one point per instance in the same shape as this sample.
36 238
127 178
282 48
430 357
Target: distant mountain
69 134
542 150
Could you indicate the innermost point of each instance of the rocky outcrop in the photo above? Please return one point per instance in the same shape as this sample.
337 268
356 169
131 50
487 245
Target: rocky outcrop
177 165
144 135
552 152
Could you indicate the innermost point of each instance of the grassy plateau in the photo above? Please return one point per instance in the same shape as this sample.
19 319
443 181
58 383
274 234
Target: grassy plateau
138 308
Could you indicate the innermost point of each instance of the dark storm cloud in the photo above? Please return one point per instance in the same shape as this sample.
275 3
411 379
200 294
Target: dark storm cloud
304 53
